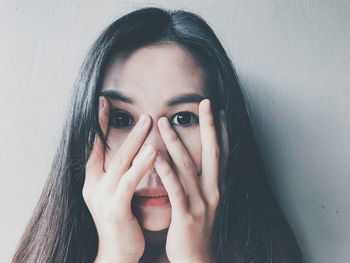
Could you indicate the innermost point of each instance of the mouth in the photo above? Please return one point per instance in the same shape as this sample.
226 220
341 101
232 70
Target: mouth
152 201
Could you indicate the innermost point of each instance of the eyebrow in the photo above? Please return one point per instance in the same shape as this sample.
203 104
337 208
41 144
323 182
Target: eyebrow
184 98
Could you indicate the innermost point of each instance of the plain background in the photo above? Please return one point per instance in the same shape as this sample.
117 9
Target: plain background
293 59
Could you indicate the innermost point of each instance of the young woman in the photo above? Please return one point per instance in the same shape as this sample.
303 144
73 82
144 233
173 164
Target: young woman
157 161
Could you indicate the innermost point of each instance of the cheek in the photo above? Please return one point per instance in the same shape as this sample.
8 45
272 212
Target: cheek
115 140
192 141
190 138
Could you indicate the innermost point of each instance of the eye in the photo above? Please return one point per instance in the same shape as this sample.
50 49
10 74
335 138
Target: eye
184 118
120 120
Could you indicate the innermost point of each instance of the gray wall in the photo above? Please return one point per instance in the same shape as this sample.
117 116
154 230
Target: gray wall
293 58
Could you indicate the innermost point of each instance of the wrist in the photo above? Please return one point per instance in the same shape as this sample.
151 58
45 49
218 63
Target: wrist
104 259
108 260
110 255
197 260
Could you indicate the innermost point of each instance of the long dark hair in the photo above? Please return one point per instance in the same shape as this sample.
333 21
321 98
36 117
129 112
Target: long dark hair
249 225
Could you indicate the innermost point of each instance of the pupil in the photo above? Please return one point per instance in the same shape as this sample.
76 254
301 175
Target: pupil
184 118
120 120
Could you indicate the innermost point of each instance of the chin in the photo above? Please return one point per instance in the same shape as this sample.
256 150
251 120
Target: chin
154 219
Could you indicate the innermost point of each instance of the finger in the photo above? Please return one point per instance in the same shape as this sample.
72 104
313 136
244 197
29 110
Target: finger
172 184
132 177
185 167
210 150
94 166
122 159
224 143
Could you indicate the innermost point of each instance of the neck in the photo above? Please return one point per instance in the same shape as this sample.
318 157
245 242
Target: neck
155 247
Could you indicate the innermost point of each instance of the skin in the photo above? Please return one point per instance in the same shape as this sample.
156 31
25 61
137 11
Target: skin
183 161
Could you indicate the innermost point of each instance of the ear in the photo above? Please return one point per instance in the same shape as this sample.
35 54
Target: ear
224 143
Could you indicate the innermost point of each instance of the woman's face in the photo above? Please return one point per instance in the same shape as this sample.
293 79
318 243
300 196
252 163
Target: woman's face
150 78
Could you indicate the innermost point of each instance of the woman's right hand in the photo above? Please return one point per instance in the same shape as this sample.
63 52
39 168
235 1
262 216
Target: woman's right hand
108 194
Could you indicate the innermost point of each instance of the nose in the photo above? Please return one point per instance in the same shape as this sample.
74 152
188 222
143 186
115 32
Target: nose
155 139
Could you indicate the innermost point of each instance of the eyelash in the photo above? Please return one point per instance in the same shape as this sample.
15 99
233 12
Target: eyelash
194 119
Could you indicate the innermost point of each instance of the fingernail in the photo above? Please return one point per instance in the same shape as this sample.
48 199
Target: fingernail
164 123
142 120
207 106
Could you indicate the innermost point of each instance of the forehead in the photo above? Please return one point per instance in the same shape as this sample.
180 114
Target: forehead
155 73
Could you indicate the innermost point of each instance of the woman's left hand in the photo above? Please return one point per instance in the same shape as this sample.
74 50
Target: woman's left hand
194 199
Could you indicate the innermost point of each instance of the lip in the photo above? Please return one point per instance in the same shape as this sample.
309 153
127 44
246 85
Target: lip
147 201
152 197
158 192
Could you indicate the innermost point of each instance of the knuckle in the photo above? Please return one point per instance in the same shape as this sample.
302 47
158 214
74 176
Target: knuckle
199 210
210 120
173 137
139 162
190 220
167 171
188 164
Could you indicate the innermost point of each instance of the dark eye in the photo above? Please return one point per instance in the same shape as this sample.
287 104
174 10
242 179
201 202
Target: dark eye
120 120
184 118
